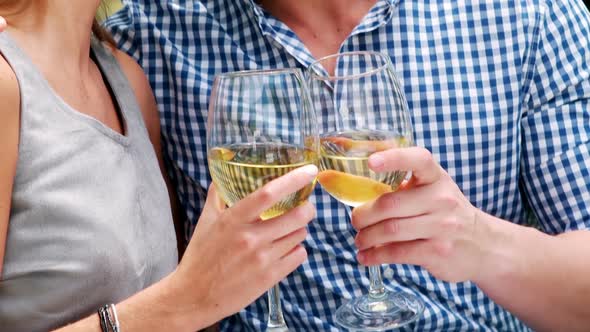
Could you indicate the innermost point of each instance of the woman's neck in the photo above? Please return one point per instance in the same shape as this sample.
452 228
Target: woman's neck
55 32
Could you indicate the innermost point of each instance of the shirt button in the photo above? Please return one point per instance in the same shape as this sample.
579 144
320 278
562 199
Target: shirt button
388 273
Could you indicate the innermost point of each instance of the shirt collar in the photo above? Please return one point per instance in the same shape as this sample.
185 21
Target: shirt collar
271 27
377 16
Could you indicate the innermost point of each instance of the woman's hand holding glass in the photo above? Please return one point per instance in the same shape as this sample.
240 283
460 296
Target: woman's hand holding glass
233 257
260 127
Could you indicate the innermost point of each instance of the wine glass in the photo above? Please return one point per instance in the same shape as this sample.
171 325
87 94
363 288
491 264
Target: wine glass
362 110
260 127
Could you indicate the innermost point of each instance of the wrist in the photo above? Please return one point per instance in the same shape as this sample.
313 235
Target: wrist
510 250
183 308
163 306
501 250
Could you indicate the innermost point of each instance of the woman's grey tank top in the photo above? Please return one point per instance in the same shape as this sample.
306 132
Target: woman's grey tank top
90 220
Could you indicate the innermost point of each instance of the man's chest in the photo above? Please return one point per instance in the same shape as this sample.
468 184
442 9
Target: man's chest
464 87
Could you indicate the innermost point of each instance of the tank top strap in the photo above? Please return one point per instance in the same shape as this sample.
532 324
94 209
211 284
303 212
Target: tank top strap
31 82
121 89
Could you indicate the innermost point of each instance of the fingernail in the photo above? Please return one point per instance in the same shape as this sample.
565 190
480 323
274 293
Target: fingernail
2 22
376 161
357 242
311 170
361 257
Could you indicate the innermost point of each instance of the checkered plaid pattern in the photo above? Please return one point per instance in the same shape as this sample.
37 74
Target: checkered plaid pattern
499 91
261 107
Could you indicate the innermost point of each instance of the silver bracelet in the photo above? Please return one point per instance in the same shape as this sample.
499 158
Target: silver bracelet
108 313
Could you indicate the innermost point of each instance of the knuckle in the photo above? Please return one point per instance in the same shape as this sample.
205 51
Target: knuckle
448 201
451 224
265 195
261 258
425 157
443 249
247 241
391 227
387 201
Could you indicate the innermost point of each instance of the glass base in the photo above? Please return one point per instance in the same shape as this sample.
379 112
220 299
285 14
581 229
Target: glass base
277 329
379 313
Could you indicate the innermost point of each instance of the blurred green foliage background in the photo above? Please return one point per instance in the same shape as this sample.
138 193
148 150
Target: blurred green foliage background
107 8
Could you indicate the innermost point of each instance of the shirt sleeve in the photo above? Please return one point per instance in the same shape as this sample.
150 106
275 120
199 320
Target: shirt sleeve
121 26
555 162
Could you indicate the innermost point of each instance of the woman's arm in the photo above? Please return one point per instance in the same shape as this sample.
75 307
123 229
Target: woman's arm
9 136
230 248
151 116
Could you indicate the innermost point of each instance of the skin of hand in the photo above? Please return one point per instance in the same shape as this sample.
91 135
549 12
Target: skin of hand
430 223
443 235
2 24
234 256
232 259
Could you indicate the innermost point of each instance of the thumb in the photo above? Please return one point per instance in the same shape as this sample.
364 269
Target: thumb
2 24
425 169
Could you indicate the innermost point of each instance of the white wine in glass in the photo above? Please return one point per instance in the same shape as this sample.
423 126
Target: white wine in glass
345 165
261 126
362 110
240 169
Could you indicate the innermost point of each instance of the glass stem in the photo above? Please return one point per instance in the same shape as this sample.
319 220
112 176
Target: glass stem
276 321
376 289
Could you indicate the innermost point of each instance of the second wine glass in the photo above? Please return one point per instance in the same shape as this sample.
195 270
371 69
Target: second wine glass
362 110
260 127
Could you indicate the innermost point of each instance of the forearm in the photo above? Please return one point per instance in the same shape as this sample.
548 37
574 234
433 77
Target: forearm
542 279
156 308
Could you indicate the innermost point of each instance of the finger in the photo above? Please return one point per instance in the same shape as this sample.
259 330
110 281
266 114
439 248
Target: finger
252 206
412 252
396 230
418 160
285 266
290 261
398 204
283 246
287 223
2 24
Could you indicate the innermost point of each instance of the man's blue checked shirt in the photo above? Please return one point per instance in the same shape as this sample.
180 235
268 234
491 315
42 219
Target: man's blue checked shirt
499 91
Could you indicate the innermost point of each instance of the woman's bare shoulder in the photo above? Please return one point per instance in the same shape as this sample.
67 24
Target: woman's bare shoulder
9 136
9 94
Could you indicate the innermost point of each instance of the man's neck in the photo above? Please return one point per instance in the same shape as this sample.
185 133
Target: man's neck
53 28
335 10
322 25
